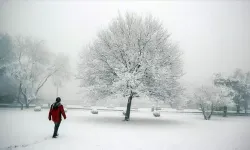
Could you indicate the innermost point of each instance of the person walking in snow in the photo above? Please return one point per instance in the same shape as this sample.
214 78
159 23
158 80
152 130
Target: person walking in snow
56 112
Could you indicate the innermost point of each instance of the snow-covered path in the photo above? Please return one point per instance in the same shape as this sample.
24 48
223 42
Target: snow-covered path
106 131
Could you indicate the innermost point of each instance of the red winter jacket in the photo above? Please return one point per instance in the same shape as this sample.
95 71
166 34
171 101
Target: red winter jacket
56 112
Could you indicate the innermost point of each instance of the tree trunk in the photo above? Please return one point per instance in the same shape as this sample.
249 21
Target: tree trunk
27 105
26 99
19 94
127 116
204 113
211 113
237 103
225 111
238 108
26 102
246 106
20 104
171 104
205 116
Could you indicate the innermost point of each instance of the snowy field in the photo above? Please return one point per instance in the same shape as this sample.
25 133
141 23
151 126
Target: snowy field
29 130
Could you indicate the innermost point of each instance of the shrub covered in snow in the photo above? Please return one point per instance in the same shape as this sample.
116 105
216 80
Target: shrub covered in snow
38 108
156 114
94 111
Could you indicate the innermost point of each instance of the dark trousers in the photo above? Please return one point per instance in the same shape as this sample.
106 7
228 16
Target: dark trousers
57 124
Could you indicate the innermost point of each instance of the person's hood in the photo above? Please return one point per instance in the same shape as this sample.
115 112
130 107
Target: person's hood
56 105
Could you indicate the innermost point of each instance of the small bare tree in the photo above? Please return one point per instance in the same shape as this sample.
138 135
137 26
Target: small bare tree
209 98
205 97
134 56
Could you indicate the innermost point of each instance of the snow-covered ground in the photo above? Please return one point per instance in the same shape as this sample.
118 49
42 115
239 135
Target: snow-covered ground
30 130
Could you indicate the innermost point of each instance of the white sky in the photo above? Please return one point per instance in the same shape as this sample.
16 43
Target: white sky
214 35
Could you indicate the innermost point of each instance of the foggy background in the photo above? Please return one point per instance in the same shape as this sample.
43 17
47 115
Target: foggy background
214 35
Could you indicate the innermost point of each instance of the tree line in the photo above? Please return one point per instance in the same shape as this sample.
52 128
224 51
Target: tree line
226 91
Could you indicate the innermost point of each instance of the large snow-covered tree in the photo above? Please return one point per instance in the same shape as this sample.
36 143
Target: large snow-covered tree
31 68
134 57
239 83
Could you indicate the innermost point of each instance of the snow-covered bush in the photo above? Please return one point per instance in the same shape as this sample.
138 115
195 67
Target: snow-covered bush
94 111
38 108
156 114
